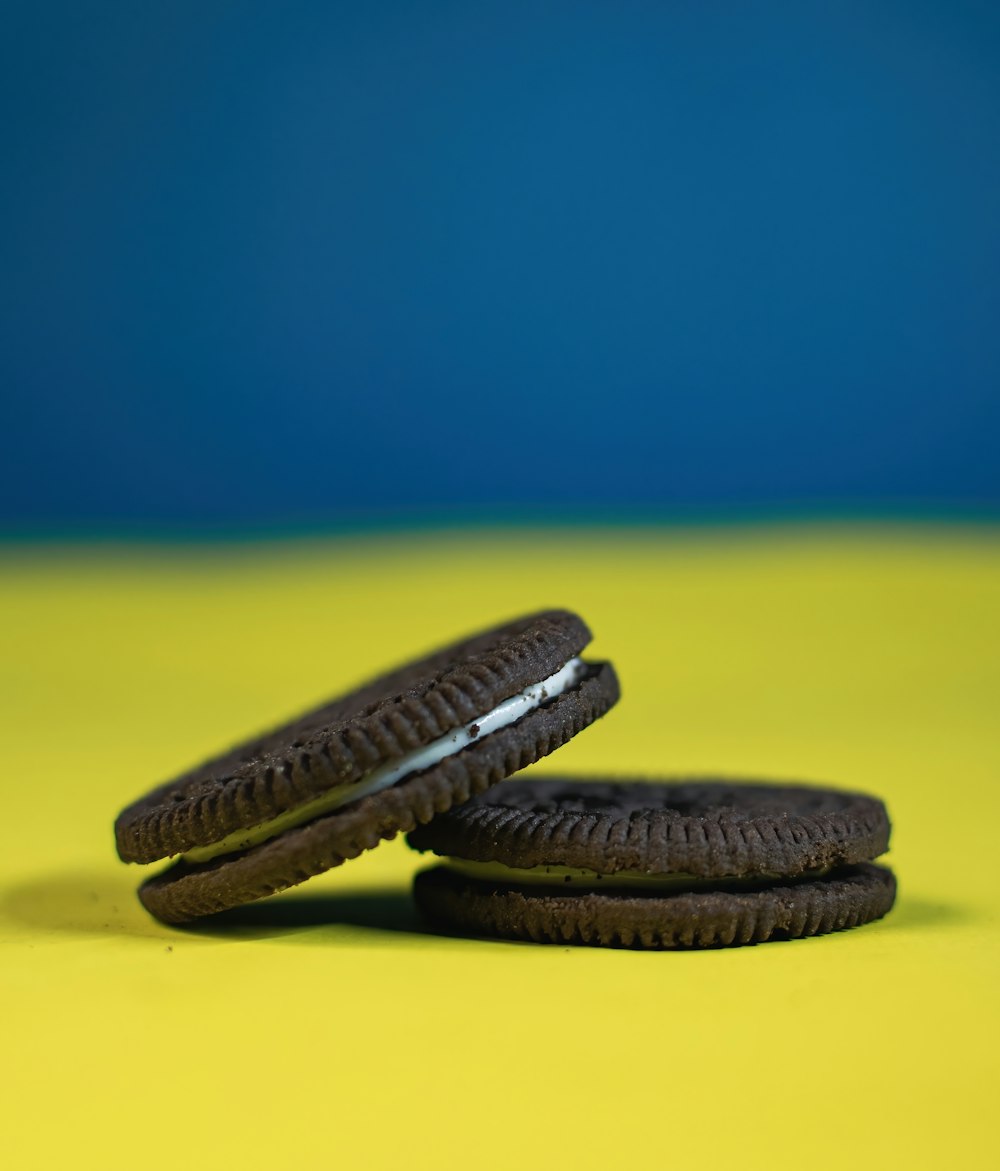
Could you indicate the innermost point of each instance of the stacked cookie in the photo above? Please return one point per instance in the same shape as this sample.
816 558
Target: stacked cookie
421 751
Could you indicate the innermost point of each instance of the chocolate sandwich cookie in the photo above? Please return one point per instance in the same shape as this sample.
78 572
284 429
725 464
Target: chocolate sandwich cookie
685 864
362 768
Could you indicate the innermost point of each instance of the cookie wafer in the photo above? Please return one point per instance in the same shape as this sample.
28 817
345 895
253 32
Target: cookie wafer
657 864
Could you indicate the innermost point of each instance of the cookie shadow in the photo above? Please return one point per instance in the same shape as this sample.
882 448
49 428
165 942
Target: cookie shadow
88 903
917 914
315 918
97 905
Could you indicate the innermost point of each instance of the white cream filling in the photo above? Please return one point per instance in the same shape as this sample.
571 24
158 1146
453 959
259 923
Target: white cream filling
581 879
393 771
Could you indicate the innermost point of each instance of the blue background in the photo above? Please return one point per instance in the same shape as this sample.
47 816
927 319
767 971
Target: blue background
324 263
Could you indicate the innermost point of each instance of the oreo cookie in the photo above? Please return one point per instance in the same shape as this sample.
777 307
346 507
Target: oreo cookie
641 864
362 768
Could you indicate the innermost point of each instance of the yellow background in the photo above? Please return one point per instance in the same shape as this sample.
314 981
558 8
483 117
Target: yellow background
328 1030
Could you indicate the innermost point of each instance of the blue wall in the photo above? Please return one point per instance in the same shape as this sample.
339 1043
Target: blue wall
271 263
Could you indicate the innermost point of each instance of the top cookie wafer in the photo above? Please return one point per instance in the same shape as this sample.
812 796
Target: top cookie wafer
712 829
366 766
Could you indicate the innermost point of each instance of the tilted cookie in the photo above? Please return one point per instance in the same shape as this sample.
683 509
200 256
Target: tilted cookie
382 760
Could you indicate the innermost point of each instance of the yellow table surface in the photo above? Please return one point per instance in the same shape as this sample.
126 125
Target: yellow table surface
330 1030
